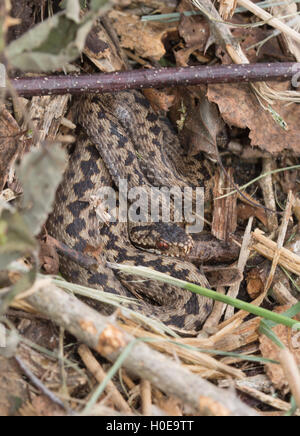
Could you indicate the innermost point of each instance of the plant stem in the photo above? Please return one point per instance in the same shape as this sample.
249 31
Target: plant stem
162 77
239 304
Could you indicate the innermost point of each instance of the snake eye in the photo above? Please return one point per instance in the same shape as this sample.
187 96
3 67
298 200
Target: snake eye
161 245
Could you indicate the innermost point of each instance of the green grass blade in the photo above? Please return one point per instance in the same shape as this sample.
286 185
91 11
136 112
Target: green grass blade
238 304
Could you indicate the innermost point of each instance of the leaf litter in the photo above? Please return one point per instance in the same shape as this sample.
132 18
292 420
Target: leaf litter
55 45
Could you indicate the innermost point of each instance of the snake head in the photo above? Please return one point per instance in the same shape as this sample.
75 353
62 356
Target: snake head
167 239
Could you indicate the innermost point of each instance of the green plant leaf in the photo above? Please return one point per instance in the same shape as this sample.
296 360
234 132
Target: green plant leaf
151 274
54 43
16 239
40 173
96 5
267 331
73 10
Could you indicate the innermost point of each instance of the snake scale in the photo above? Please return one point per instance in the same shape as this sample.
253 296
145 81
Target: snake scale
121 136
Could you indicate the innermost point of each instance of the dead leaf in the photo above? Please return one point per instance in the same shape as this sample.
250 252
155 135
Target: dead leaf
222 275
49 259
291 339
159 100
194 31
182 56
101 50
9 143
145 39
245 211
255 284
249 38
240 108
200 121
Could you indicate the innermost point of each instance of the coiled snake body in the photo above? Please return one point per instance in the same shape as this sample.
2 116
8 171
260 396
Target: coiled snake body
122 137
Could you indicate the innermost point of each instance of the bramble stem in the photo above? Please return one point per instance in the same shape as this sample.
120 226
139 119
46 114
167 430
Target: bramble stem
162 77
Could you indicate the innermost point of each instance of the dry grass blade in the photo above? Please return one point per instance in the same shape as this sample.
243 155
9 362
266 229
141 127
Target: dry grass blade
183 353
96 369
268 248
244 255
291 371
272 21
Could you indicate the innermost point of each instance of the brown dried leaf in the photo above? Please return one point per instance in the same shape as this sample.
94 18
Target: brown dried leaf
248 38
200 123
49 259
222 275
255 284
291 339
101 50
182 56
194 31
240 108
245 211
159 100
9 143
145 39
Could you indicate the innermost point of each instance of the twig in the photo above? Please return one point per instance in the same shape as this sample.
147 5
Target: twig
274 252
267 248
266 185
291 371
83 260
98 332
272 21
216 314
185 354
138 79
243 258
146 398
264 398
261 90
95 368
40 385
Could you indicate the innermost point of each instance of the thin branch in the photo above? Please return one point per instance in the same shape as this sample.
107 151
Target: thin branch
99 333
82 259
291 371
98 372
272 21
142 78
41 386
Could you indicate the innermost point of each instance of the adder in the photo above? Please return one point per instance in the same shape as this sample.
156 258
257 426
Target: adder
122 137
